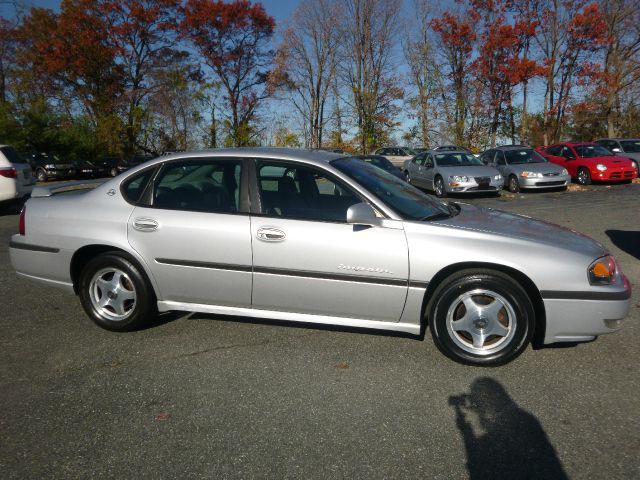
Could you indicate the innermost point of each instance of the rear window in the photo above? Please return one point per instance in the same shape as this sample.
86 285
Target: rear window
11 155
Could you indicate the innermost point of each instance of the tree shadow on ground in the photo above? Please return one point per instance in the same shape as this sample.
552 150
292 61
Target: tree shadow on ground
629 241
502 440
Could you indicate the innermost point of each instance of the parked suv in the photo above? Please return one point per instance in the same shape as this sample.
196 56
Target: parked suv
46 166
522 167
16 180
624 147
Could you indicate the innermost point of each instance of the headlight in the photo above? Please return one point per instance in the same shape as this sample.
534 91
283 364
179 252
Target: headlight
497 177
530 174
601 167
565 171
458 178
49 166
602 271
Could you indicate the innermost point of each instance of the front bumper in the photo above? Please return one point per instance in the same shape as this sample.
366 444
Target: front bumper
545 182
473 186
615 175
583 319
64 173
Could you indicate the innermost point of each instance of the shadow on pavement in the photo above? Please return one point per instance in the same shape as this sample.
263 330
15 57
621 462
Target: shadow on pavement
629 241
502 440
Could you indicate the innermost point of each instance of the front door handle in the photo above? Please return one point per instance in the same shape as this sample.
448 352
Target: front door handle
270 234
144 224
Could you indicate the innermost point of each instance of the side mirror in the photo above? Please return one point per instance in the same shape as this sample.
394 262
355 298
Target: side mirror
363 214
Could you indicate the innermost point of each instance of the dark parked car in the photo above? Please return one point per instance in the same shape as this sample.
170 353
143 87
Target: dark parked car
381 162
46 166
86 169
110 165
134 161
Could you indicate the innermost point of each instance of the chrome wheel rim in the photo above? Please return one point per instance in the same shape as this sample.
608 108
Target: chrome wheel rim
513 185
439 187
481 322
582 177
112 294
407 177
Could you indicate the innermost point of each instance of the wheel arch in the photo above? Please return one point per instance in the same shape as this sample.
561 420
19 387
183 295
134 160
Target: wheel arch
86 253
523 280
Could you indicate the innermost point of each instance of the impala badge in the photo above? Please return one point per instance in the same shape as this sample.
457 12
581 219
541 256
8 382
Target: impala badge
355 268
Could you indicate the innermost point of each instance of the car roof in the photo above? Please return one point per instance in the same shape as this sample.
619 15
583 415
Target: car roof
633 139
511 147
447 152
312 156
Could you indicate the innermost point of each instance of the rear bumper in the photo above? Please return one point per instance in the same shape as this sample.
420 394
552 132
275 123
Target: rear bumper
583 319
41 263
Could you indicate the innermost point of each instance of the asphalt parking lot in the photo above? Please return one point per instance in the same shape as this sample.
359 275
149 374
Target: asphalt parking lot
216 397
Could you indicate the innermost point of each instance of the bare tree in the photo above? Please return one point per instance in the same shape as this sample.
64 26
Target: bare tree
369 37
306 60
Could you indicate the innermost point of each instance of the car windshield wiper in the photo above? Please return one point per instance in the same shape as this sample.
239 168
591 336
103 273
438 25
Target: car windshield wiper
436 216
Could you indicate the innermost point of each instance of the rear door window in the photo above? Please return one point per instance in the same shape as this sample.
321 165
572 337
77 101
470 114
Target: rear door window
11 155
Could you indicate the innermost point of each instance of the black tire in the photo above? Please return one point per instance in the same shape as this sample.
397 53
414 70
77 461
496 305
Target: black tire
438 187
41 175
513 184
583 176
133 281
507 335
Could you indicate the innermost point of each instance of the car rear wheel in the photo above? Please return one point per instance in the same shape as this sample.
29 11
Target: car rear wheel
115 293
584 177
438 187
514 185
41 175
481 318
407 176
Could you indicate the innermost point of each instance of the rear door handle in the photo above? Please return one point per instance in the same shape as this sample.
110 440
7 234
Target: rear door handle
270 234
143 224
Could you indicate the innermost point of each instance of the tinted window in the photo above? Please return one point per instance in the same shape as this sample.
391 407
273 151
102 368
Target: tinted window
419 159
296 191
555 150
200 186
567 153
630 146
456 160
133 188
500 158
526 155
12 155
379 162
588 151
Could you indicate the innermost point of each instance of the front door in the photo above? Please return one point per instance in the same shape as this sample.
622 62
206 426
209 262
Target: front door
307 259
194 235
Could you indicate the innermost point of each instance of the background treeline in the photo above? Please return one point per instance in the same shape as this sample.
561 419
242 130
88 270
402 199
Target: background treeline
123 77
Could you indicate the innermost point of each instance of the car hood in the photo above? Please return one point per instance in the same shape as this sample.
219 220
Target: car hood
541 167
472 171
521 227
612 161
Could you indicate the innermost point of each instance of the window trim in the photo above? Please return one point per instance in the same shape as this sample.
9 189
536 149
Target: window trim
256 190
146 199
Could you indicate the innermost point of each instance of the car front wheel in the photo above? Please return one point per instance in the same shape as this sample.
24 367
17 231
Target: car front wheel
438 187
584 177
481 318
514 186
115 293
41 175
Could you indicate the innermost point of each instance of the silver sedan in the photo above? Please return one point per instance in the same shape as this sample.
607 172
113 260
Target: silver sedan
524 168
451 172
315 237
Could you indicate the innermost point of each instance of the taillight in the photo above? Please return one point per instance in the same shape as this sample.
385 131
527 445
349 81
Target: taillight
8 172
21 223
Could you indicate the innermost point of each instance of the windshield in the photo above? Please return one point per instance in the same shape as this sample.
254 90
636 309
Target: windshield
589 151
630 146
519 157
457 160
408 201
379 162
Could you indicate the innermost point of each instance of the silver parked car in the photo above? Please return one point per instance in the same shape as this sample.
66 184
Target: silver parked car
311 236
396 155
523 167
446 172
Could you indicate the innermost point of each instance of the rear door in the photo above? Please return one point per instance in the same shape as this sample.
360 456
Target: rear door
428 171
193 230
308 260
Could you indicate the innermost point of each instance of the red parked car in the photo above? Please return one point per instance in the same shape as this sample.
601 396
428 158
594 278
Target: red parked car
587 162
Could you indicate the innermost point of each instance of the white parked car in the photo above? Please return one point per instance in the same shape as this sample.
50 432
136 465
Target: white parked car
396 155
16 180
